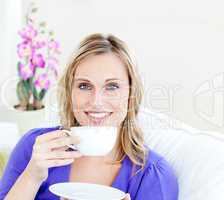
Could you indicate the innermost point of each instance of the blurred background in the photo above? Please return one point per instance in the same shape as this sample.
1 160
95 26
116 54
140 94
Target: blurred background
178 46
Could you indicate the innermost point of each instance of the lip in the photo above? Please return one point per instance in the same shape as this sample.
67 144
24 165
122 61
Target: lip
98 111
97 119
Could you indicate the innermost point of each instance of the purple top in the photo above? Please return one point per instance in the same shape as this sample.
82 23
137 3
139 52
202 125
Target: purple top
155 182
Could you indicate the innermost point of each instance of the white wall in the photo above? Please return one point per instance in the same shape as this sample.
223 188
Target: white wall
10 23
179 45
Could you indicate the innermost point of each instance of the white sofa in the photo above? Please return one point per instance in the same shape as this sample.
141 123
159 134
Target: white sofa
197 157
9 136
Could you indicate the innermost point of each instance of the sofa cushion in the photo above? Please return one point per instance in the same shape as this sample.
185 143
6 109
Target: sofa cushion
197 157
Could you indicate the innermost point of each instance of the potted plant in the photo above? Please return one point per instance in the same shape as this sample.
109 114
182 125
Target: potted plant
37 66
37 63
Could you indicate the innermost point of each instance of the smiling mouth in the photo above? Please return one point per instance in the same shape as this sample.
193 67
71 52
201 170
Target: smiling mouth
97 117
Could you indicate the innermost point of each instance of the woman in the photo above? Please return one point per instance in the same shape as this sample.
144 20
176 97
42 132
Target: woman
100 87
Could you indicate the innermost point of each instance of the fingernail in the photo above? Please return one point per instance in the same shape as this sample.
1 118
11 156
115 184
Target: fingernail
66 133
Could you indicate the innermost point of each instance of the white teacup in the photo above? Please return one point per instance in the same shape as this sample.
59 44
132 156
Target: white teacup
95 140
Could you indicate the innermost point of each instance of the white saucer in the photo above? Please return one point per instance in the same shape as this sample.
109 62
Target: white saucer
86 191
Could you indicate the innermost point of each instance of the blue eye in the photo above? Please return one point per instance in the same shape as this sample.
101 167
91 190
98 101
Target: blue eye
112 86
84 86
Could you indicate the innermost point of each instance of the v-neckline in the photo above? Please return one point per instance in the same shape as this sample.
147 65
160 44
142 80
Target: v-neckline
116 180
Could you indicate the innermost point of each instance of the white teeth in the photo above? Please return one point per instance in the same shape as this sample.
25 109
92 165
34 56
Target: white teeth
98 115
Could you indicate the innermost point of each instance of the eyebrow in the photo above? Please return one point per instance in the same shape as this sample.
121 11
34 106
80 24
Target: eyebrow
107 80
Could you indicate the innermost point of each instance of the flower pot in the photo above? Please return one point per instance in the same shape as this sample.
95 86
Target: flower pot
25 120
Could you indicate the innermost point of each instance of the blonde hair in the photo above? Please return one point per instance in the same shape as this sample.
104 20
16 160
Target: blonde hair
130 140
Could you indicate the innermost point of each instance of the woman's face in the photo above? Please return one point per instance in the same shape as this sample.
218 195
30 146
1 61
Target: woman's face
100 91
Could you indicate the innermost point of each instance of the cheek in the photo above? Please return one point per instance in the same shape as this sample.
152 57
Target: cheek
120 106
79 100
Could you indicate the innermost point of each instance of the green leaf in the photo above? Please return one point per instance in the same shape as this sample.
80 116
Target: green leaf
42 94
26 84
38 95
34 10
51 33
42 24
35 93
22 91
18 68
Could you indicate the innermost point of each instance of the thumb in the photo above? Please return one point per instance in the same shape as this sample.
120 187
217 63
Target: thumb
127 197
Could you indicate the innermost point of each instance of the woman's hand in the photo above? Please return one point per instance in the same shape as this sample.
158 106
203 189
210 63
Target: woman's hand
127 197
49 150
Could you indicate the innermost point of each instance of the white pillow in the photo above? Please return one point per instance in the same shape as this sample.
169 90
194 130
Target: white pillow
155 120
197 158
9 135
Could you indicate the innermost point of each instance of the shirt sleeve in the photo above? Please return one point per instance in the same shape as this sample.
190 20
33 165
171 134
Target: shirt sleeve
18 161
158 183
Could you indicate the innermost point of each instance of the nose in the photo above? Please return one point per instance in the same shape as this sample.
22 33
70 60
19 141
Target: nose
97 99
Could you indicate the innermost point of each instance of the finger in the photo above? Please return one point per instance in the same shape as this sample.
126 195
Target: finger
60 149
62 155
50 135
67 132
61 142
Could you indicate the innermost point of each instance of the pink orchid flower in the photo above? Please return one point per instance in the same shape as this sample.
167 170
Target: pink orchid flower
24 49
38 60
38 44
25 71
42 82
54 45
28 32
